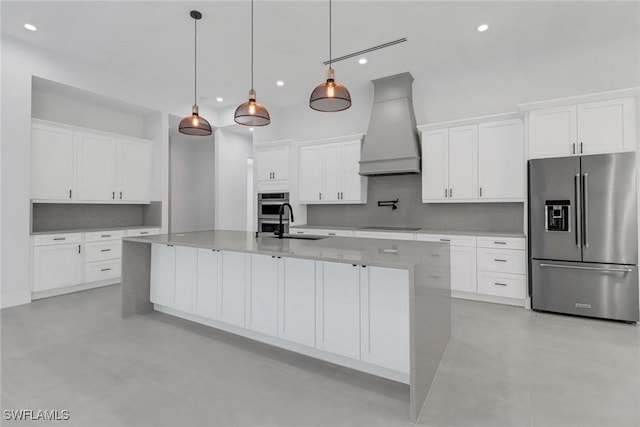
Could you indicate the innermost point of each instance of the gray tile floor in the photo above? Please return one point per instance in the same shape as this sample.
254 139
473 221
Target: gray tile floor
505 366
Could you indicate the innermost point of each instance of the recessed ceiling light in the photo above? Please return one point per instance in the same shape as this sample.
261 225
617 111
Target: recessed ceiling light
280 83
483 27
219 99
250 129
362 61
30 27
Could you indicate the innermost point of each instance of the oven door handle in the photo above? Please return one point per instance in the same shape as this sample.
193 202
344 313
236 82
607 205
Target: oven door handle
576 267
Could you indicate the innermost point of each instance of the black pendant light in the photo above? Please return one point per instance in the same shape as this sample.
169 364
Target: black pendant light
195 124
252 113
330 96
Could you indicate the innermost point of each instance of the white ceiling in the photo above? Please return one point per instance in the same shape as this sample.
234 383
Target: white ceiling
152 42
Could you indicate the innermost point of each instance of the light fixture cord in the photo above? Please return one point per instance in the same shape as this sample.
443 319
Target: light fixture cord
251 44
195 61
330 34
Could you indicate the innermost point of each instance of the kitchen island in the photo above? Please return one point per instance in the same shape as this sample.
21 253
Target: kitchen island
379 306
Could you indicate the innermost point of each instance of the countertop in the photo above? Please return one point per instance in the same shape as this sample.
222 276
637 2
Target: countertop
88 230
375 252
420 231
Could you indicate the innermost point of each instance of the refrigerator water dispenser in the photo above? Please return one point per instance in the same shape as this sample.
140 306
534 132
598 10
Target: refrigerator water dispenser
556 215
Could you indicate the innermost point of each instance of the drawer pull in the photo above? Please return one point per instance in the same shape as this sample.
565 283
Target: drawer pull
106 269
499 284
499 243
105 235
332 234
445 240
59 238
105 250
500 260
144 232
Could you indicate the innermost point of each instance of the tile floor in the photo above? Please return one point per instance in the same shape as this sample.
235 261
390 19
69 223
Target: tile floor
505 366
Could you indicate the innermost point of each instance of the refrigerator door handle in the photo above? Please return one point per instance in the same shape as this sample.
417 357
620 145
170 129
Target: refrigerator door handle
575 267
585 209
578 213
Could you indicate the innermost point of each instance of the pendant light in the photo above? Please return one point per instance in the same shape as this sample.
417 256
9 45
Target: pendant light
330 96
195 124
252 113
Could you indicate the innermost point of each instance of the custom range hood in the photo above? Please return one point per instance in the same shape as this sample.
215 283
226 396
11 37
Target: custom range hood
391 146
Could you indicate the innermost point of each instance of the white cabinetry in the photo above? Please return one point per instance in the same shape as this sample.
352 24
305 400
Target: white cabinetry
52 162
102 256
232 287
262 295
338 309
384 235
603 126
208 279
296 301
162 280
321 232
462 259
329 172
185 278
57 261
478 162
82 165
272 166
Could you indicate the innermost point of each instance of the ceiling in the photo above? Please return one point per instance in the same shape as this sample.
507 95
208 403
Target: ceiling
152 42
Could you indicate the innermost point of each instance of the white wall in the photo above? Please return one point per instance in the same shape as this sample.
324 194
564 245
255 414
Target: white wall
232 152
192 178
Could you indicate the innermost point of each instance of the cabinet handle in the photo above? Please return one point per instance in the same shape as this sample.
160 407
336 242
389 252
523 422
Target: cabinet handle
354 265
69 193
320 196
364 266
500 260
500 243
299 232
105 250
105 235
499 284
106 269
574 148
445 240
332 234
341 195
445 192
450 192
59 238
338 195
121 195
78 248
581 148
480 191
144 232
113 195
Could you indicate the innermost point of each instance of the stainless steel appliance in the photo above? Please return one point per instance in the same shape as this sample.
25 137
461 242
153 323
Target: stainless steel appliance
268 208
584 236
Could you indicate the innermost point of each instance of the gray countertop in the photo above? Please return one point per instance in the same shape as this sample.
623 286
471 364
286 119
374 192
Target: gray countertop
420 231
377 252
87 230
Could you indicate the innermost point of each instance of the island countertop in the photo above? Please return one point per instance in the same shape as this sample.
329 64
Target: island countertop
375 252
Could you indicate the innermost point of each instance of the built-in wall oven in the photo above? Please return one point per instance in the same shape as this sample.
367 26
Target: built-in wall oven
268 208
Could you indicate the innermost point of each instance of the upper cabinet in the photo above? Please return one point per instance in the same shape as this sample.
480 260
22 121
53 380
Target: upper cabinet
602 126
459 163
82 165
329 172
272 163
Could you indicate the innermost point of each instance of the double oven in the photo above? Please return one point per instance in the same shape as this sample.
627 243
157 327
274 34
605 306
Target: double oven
268 208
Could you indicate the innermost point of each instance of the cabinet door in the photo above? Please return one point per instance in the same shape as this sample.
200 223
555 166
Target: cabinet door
352 182
310 174
280 162
385 317
463 162
463 269
607 126
501 160
163 263
552 132
262 295
338 309
296 304
96 167
134 171
435 165
331 172
56 266
186 278
206 298
52 163
264 164
232 287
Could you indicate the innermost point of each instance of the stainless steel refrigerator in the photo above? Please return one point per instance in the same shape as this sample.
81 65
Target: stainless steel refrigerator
583 236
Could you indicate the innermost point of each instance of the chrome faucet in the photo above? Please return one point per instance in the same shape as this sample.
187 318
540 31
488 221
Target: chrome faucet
280 231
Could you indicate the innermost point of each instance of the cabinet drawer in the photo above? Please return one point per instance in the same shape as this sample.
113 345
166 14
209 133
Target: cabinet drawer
143 232
501 284
56 239
102 270
501 242
323 232
99 251
453 239
99 236
501 260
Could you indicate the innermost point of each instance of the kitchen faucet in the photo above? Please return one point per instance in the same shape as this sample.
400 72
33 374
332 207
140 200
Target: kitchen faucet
280 231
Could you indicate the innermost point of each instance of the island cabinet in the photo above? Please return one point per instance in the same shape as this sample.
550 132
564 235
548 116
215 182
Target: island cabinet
296 301
231 289
262 294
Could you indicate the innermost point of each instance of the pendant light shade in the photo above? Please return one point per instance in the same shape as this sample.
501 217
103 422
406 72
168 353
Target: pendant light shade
195 124
252 113
330 96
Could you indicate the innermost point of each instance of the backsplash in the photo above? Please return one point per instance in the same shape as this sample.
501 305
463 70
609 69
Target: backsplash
411 212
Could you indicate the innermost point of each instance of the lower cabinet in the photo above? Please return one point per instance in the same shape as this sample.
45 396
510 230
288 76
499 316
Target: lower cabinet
262 294
162 280
231 289
297 301
57 266
185 278
206 300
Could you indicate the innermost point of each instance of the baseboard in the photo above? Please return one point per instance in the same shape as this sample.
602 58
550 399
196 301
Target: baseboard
13 299
70 289
489 298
